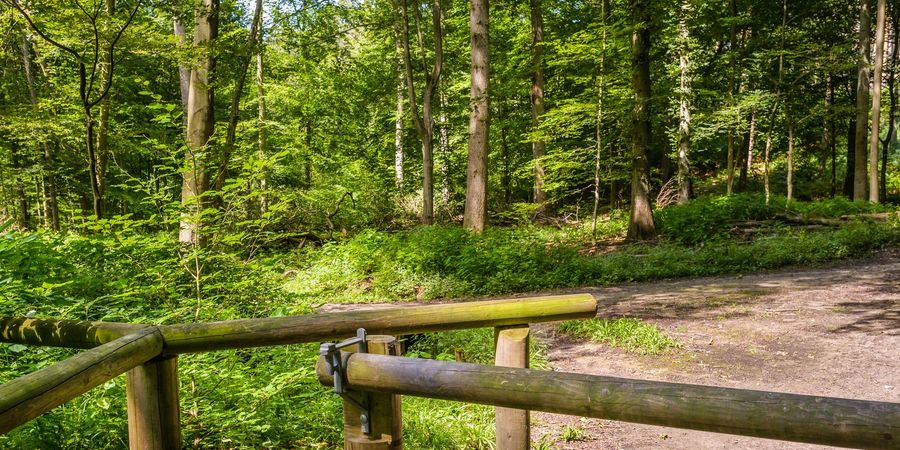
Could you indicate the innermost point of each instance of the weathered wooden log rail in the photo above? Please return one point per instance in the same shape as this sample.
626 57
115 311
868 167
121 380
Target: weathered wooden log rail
230 334
790 417
149 355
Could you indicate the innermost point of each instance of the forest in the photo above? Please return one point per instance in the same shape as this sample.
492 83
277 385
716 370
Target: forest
175 161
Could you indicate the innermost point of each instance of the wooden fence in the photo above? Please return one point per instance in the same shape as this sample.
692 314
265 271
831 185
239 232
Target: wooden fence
375 379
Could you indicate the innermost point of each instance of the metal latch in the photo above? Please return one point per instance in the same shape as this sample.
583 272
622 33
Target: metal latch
332 353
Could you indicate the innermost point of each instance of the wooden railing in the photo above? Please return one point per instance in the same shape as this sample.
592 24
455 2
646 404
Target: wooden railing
791 417
377 378
149 353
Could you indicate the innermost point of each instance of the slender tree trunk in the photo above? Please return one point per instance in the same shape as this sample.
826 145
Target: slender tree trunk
537 98
398 135
23 215
425 122
307 168
475 216
200 124
731 103
784 13
234 112
261 117
830 144
862 102
641 225
444 145
601 78
103 126
685 180
876 100
52 205
851 157
790 154
892 93
184 72
505 157
749 141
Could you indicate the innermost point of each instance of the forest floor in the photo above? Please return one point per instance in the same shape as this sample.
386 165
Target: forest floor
831 330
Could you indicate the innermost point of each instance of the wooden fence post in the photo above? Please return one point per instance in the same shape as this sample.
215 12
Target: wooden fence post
513 425
386 422
153 409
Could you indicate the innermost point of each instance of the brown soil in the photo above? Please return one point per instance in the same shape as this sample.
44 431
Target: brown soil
830 331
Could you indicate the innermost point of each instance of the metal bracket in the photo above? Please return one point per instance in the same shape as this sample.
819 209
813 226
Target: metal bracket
332 353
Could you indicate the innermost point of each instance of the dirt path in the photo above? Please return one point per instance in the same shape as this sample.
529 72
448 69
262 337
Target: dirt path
832 331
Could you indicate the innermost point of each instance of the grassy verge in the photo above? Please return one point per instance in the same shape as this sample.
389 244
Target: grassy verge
628 333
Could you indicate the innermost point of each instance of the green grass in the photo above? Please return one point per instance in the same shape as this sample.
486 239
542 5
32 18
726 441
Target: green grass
630 334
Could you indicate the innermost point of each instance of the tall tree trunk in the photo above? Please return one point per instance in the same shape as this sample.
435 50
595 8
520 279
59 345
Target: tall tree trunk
750 141
851 157
52 205
598 129
103 127
261 116
444 146
505 157
862 102
685 181
23 213
778 83
876 100
398 135
537 98
641 225
234 112
184 72
829 132
790 154
475 216
892 93
200 124
425 122
729 185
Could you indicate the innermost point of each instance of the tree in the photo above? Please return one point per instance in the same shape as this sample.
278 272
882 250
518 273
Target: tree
685 182
200 124
862 101
92 62
52 204
641 225
876 100
537 98
235 109
425 122
475 216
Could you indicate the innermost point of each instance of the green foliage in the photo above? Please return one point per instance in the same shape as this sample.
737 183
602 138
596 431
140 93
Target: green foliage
447 262
628 333
709 219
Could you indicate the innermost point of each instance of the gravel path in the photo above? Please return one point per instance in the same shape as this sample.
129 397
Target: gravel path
832 331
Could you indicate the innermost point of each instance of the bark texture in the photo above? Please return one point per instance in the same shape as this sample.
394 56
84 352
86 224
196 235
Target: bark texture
200 124
641 225
475 217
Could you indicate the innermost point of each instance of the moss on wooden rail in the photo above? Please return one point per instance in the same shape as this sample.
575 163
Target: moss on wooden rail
791 417
29 396
310 328
62 333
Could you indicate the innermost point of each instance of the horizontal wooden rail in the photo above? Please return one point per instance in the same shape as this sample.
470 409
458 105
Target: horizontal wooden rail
31 395
210 336
62 333
790 417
